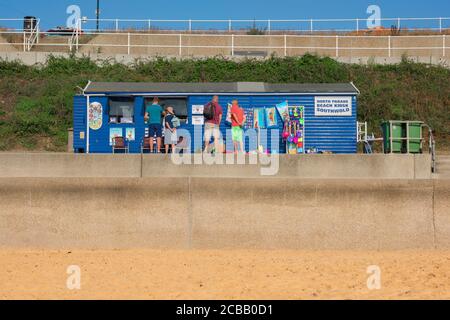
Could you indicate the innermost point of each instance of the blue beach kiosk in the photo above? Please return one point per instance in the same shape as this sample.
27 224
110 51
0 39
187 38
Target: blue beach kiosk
328 111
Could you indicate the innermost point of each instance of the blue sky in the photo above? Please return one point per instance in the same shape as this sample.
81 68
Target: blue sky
53 13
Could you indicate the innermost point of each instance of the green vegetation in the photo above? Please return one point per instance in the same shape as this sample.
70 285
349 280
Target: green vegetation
255 31
36 102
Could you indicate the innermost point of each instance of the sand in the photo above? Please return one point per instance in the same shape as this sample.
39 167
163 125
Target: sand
152 274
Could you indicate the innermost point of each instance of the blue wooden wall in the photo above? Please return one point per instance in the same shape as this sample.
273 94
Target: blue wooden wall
79 122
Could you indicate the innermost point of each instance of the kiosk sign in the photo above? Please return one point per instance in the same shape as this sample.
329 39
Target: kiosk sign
333 106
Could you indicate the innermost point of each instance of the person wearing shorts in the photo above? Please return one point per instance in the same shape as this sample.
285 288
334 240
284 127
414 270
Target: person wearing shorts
153 114
212 127
170 132
237 123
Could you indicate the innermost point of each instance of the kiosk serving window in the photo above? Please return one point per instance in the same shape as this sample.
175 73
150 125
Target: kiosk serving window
179 105
121 110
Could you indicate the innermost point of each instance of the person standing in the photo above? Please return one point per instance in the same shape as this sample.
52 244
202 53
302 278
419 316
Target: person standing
170 131
237 123
153 114
213 113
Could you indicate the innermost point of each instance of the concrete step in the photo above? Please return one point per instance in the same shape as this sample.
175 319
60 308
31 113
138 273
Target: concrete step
443 165
441 176
442 172
52 44
6 46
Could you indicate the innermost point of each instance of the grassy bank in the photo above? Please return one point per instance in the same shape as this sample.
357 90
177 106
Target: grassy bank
36 102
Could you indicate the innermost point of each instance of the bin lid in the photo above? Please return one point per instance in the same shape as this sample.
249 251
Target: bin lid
402 121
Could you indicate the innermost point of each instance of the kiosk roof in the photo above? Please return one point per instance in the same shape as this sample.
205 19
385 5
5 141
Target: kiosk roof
218 88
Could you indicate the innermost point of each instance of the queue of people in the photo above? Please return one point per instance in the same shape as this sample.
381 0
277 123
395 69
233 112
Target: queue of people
213 113
165 121
162 121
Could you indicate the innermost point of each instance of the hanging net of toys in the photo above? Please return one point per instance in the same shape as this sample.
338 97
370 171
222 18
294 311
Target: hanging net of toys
294 130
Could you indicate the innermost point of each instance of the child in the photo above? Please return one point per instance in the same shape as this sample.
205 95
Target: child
170 131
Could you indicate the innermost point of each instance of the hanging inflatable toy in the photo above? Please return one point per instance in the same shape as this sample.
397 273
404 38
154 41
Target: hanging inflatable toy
291 133
285 134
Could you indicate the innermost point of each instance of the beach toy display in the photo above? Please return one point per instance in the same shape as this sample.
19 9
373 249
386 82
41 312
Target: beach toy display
294 132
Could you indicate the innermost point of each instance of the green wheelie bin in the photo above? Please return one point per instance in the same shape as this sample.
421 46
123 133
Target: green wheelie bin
402 136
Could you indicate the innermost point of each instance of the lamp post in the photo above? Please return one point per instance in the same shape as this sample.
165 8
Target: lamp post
98 14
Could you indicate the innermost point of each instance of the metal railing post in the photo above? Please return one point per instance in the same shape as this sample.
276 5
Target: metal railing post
190 25
357 26
38 31
24 41
149 24
398 24
117 25
70 41
232 45
389 45
337 46
77 40
443 45
268 26
440 25
129 43
229 26
311 26
391 139
407 137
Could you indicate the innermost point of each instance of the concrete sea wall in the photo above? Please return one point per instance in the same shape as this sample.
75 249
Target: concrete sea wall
261 213
66 165
63 201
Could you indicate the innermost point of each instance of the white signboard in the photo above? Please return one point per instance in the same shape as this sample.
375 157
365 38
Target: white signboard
333 106
198 120
197 109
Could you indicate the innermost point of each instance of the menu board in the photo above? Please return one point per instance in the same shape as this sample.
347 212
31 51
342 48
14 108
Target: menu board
249 118
198 120
197 109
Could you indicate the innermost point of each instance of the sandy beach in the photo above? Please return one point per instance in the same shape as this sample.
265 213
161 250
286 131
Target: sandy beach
237 274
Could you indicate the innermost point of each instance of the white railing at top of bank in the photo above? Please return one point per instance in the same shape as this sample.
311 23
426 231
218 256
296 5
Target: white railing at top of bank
30 38
267 25
234 44
438 24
